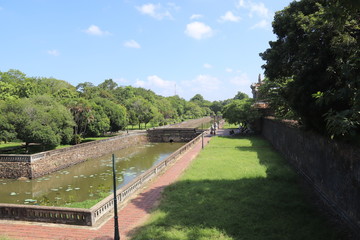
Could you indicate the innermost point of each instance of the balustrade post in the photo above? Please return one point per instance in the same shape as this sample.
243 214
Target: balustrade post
116 227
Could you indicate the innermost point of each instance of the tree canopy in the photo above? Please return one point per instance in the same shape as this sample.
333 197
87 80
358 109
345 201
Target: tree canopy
241 112
315 61
51 111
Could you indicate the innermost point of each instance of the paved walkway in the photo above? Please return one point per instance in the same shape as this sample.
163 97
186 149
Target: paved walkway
135 212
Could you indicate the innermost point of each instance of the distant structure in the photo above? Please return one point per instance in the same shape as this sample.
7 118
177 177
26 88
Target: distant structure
255 89
260 103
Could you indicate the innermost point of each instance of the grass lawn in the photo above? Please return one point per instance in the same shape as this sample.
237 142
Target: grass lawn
38 148
237 188
5 238
4 146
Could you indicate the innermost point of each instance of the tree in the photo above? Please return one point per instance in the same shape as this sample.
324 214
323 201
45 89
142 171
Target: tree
37 120
216 107
80 108
108 84
193 110
178 104
165 108
141 110
115 112
274 93
240 96
99 122
318 48
197 98
241 112
7 91
7 130
123 94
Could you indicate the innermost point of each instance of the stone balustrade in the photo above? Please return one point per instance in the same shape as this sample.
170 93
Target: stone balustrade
74 216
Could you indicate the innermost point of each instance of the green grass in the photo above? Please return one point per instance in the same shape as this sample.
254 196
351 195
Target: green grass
4 146
237 188
6 238
230 126
38 148
87 203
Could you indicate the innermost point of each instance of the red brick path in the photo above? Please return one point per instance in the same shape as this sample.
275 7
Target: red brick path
131 215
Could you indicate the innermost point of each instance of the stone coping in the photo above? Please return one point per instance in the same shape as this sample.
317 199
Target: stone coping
37 156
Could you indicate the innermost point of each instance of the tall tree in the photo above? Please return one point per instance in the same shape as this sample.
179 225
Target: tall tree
38 120
115 112
108 84
241 112
318 47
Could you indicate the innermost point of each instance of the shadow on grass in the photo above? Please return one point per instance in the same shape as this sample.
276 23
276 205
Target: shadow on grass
271 207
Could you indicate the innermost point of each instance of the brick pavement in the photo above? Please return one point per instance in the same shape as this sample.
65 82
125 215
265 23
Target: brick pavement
131 215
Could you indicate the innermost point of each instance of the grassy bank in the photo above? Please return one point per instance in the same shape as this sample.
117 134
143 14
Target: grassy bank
237 188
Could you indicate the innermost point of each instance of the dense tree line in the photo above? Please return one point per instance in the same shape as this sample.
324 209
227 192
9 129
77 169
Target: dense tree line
53 112
313 67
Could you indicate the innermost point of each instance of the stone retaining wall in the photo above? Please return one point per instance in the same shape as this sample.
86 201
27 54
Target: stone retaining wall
37 165
332 168
14 170
173 134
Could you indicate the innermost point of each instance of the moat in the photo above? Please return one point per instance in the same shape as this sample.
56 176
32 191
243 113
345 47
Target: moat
87 180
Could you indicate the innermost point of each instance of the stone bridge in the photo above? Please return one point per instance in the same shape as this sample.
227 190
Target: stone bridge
173 134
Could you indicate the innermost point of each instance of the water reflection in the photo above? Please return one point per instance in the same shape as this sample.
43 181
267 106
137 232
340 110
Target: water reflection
87 180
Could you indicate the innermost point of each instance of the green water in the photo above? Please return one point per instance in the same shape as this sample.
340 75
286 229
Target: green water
87 180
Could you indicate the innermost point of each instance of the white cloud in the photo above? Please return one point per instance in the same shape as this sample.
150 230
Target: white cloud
196 16
96 31
229 70
241 80
173 6
254 8
259 9
198 30
156 11
132 44
140 83
229 17
157 84
240 4
53 52
262 24
206 65
203 84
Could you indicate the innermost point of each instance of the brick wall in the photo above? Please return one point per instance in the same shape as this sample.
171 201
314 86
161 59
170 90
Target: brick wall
331 167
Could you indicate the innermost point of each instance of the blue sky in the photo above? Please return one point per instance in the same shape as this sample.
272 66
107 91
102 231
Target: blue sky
210 47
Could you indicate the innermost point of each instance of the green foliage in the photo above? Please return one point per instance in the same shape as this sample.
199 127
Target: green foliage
94 110
99 123
240 96
115 112
193 110
241 112
141 110
274 93
318 47
36 120
108 84
7 130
